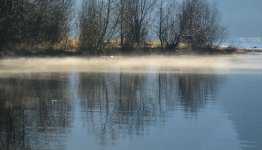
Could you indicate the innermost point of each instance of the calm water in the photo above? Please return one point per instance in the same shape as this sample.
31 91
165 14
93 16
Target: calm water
123 110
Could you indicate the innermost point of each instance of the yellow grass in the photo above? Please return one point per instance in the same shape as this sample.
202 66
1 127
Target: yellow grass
68 44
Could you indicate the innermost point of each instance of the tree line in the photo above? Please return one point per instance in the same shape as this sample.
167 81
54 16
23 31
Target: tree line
127 24
131 22
34 21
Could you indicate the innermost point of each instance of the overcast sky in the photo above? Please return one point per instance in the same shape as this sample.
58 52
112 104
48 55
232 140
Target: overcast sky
242 17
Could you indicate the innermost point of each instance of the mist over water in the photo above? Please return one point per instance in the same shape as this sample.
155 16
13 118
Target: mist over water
176 64
152 102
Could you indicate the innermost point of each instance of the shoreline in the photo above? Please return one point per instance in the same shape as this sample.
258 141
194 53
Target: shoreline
134 52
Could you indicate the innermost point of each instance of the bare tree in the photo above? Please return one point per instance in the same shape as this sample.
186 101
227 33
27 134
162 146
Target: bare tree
50 20
34 21
199 23
134 19
11 14
167 27
195 22
96 25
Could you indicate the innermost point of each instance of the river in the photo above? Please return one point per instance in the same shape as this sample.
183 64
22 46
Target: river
153 102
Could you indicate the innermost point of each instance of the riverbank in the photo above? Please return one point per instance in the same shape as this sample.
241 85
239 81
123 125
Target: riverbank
120 52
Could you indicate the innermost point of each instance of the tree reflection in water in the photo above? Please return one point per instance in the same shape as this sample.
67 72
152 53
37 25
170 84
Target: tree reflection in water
196 90
36 112
33 112
116 105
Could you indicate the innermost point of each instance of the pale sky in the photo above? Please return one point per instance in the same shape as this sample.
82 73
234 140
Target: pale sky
242 17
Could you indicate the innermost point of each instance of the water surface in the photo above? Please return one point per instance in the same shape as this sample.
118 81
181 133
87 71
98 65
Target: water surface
124 105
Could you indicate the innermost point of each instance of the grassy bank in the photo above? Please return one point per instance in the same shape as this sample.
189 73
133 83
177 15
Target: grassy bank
71 48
